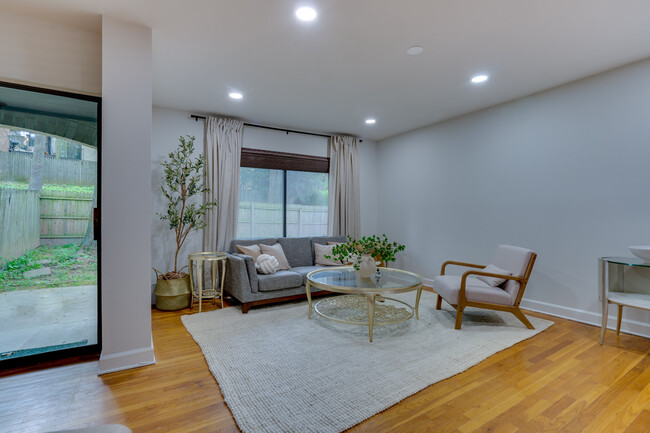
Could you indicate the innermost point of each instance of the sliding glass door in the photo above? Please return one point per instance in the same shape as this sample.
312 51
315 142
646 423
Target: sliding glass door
49 191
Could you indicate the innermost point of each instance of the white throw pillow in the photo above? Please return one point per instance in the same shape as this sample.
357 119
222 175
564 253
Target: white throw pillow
320 251
266 264
277 252
493 281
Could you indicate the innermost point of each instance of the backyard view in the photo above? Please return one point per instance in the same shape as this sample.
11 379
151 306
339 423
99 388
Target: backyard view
262 210
48 259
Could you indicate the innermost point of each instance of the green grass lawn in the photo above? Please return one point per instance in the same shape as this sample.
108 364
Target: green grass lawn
48 187
70 267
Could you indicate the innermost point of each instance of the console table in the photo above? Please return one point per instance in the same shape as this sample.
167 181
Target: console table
618 294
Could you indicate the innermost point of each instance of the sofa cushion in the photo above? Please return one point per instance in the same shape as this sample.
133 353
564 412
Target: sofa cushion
304 270
297 250
278 281
320 251
246 242
278 252
476 290
323 240
250 250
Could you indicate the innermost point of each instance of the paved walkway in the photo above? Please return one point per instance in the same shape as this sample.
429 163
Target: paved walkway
47 317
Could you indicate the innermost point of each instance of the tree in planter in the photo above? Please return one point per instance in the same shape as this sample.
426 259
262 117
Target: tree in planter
183 180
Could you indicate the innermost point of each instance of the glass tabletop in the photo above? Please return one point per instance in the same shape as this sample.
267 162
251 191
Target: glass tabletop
347 277
629 261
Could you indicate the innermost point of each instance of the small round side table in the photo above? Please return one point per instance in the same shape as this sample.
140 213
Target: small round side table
196 261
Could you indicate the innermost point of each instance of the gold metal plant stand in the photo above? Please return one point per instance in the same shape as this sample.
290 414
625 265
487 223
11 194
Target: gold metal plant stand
196 261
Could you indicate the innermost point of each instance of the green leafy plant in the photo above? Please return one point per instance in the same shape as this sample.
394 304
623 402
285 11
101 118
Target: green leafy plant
183 180
378 247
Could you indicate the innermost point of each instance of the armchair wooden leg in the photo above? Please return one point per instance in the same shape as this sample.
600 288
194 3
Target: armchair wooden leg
517 312
618 320
438 302
459 316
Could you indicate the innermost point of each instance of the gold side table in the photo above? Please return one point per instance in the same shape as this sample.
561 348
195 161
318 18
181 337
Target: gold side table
196 261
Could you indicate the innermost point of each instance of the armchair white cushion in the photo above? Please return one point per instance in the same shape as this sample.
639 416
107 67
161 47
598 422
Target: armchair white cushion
515 260
476 290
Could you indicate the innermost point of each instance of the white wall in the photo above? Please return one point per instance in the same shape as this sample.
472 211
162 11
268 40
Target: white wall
126 196
169 124
564 172
49 55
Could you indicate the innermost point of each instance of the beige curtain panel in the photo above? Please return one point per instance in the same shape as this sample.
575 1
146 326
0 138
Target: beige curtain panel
344 214
223 143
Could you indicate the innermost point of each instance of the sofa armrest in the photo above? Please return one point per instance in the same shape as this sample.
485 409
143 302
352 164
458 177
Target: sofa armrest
241 276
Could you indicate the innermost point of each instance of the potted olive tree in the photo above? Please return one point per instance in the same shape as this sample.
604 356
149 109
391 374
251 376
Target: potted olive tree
184 179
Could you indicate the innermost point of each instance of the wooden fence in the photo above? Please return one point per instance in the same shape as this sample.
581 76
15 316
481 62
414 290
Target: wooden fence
65 214
258 220
17 167
19 223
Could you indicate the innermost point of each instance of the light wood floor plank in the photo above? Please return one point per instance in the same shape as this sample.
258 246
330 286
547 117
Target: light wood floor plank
559 380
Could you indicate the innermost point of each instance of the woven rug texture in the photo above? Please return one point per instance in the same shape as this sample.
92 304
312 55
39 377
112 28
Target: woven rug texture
280 372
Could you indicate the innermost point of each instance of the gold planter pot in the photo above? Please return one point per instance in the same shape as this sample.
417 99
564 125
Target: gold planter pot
173 294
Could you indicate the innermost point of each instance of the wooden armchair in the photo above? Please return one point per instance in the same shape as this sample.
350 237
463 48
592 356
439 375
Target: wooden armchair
499 286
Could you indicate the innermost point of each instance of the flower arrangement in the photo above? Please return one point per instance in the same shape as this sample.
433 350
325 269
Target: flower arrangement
378 247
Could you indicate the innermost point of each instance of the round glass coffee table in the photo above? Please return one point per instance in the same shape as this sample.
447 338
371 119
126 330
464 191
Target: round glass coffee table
366 302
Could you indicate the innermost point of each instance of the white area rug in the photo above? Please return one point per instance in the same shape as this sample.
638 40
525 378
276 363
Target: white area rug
280 372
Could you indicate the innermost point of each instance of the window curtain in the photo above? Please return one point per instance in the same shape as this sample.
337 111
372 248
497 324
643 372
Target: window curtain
223 143
344 214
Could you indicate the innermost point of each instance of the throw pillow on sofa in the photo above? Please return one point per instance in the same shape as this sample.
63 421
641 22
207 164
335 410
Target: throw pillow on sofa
266 264
277 252
249 250
320 251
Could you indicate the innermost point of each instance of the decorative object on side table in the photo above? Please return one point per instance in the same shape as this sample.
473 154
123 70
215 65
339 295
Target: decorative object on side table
641 251
364 253
183 180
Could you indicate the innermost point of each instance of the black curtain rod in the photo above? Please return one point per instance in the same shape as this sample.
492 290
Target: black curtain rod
197 117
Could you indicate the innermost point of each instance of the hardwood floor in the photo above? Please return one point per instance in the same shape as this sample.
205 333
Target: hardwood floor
559 380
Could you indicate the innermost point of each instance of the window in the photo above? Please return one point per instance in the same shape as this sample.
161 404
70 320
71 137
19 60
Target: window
282 194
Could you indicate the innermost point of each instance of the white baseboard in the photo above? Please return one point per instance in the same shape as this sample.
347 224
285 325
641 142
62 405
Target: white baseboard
628 326
126 360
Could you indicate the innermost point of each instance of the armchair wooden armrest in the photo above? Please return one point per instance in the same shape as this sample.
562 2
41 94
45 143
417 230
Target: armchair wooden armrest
452 262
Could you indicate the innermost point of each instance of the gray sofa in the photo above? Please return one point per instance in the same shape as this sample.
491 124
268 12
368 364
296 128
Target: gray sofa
250 288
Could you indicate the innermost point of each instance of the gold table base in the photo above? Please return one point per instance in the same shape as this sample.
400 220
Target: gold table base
353 310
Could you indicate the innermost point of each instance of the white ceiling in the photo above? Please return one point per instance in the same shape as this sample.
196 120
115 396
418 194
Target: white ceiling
351 63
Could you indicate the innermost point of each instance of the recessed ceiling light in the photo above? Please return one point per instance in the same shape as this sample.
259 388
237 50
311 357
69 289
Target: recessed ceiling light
481 78
235 95
306 13
414 51
371 121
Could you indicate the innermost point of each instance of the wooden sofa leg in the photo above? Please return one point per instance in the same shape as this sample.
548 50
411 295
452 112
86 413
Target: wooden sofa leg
438 302
244 308
517 312
459 317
